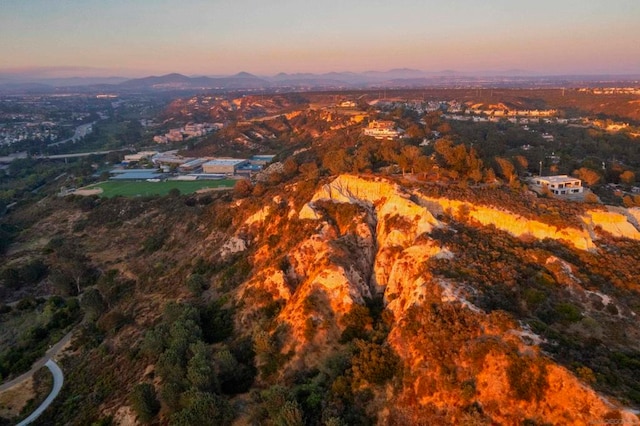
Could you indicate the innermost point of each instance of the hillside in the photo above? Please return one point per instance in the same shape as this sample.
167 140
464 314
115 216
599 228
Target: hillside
353 281
353 299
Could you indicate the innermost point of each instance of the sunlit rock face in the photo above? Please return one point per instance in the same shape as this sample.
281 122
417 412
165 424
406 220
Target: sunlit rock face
390 200
615 222
512 223
369 237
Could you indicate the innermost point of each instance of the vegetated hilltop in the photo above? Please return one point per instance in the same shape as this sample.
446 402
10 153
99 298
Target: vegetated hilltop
352 299
572 102
443 349
354 282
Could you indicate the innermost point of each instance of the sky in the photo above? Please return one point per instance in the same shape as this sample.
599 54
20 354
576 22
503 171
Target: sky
264 37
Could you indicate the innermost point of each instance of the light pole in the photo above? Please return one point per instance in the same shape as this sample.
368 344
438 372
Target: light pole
540 169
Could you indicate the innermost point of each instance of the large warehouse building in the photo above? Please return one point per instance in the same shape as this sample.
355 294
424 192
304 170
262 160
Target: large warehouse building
226 166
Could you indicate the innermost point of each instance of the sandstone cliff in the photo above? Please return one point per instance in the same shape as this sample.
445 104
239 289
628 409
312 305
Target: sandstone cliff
382 246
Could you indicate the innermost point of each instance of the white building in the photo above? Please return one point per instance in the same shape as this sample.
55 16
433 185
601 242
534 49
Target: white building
223 165
142 155
347 104
382 129
560 184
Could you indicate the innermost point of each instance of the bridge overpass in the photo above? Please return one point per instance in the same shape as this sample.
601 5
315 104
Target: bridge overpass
80 154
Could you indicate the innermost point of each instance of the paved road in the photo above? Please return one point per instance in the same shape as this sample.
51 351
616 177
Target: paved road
58 380
80 132
39 363
81 154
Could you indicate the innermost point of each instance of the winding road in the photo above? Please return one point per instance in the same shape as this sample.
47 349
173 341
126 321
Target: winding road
58 377
80 132
58 380
53 351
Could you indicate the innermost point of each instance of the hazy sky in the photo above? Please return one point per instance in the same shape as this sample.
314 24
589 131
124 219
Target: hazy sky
209 37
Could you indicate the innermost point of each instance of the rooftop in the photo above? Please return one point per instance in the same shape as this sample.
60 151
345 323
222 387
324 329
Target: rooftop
224 162
120 171
138 176
557 178
263 157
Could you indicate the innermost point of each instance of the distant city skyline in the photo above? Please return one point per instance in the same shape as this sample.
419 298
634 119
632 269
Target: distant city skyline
132 38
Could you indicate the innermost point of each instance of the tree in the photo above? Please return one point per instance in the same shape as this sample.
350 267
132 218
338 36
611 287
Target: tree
628 177
202 408
408 158
92 303
507 169
521 163
233 376
11 278
144 402
589 176
374 363
415 131
475 175
455 158
71 267
362 160
200 371
357 322
489 176
217 322
628 202
290 415
259 189
290 167
309 170
591 198
242 188
444 128
155 341
196 283
336 161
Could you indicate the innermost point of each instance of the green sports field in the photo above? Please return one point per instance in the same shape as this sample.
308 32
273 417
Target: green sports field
143 189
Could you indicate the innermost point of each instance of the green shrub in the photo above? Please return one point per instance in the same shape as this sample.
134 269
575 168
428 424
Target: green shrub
356 323
216 322
527 378
568 312
144 402
202 408
374 363
196 283
155 242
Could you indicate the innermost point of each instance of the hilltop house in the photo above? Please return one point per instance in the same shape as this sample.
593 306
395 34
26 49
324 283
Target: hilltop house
382 129
560 184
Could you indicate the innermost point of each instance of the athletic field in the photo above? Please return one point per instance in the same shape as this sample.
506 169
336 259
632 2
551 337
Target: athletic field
143 188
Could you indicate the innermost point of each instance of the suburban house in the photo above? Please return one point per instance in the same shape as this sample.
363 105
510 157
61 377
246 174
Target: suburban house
560 184
382 129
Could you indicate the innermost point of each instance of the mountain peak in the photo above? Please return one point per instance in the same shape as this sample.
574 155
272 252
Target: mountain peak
244 74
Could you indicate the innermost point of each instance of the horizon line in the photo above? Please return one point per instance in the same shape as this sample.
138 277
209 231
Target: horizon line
17 72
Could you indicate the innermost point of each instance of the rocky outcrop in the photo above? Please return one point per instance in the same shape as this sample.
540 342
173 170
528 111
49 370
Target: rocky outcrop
386 251
512 223
615 222
231 246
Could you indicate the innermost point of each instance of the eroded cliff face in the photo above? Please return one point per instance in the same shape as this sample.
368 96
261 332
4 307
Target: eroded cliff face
618 222
453 353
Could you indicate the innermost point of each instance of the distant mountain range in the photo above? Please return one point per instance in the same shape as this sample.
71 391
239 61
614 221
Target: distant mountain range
395 78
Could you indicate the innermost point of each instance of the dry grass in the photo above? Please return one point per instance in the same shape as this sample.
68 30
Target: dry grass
22 399
13 400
